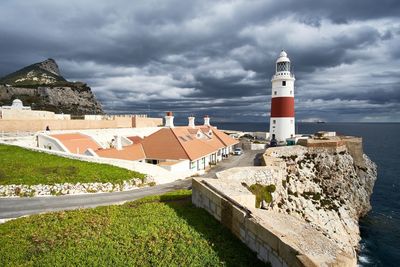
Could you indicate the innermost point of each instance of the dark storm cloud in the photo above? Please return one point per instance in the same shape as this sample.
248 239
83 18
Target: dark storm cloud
215 57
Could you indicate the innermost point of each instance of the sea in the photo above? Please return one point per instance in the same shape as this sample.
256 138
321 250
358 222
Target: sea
380 229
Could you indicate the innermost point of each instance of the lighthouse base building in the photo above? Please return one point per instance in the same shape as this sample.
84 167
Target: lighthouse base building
282 122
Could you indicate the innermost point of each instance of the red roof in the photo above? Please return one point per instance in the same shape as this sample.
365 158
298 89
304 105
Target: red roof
131 152
76 143
183 143
135 139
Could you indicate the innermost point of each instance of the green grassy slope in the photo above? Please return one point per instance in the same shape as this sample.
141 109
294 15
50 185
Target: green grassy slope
22 166
164 230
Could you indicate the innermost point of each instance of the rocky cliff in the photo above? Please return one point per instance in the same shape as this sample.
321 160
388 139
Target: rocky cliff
41 86
330 189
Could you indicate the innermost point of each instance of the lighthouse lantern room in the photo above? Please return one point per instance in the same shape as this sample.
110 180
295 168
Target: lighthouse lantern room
282 123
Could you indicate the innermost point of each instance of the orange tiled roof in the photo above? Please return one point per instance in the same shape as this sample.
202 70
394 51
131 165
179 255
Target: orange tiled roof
76 143
181 143
163 144
135 139
226 139
194 148
131 152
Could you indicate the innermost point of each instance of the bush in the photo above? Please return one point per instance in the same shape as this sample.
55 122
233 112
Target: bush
262 192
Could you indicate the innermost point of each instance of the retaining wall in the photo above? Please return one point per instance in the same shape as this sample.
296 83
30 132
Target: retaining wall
268 246
40 125
140 122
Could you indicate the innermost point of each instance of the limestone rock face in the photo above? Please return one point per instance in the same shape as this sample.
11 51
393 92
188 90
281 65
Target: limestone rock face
50 65
42 87
327 189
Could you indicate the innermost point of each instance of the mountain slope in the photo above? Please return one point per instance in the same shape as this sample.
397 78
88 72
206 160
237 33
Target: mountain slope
42 87
41 73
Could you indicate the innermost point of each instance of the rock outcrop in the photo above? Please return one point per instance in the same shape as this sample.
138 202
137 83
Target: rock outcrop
328 189
42 87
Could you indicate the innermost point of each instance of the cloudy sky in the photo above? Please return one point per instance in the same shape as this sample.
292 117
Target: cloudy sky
216 57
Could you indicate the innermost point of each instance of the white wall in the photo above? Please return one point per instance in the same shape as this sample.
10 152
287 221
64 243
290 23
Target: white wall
180 167
62 116
284 128
47 142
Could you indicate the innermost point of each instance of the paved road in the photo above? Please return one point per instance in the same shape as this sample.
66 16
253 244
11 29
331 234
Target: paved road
248 158
17 207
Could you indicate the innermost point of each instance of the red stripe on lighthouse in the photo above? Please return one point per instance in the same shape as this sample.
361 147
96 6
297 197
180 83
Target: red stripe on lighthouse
282 107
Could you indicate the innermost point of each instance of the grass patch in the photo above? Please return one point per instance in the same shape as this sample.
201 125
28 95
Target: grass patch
164 230
22 166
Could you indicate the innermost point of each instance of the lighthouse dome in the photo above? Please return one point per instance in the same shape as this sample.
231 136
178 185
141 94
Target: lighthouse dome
283 57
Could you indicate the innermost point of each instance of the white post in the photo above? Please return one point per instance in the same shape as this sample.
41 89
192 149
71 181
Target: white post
118 142
191 122
206 120
169 120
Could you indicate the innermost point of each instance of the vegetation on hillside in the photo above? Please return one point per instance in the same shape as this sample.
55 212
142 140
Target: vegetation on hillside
262 192
22 166
164 230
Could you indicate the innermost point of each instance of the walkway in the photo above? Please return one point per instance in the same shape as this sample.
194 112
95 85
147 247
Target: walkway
17 207
248 158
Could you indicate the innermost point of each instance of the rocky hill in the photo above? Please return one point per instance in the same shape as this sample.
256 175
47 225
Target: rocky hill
42 87
330 190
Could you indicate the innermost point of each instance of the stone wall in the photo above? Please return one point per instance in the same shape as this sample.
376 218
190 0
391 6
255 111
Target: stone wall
268 246
139 122
18 114
40 125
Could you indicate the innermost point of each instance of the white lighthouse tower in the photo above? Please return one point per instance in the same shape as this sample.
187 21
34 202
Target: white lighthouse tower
282 122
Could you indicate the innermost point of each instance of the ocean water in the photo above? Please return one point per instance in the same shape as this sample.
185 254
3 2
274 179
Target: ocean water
380 229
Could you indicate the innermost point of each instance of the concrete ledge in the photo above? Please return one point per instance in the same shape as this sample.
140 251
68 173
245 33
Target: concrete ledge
281 245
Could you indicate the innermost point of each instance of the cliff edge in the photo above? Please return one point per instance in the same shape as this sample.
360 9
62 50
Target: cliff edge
328 188
325 186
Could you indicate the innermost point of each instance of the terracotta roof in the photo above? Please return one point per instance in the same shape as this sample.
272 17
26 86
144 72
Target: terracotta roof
194 148
163 144
135 139
76 143
131 152
181 143
226 139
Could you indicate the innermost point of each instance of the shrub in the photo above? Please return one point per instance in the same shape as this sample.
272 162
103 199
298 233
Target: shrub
262 192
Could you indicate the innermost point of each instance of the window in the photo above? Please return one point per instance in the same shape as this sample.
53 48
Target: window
290 92
273 121
274 92
283 83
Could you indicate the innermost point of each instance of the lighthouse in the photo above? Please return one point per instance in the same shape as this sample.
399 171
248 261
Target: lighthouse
282 122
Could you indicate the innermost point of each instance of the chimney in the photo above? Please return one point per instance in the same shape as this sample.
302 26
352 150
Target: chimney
169 120
206 120
118 142
191 122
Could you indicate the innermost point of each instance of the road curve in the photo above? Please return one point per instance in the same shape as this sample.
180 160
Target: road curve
17 207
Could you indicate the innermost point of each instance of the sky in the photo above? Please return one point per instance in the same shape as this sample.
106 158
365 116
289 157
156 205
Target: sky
216 57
